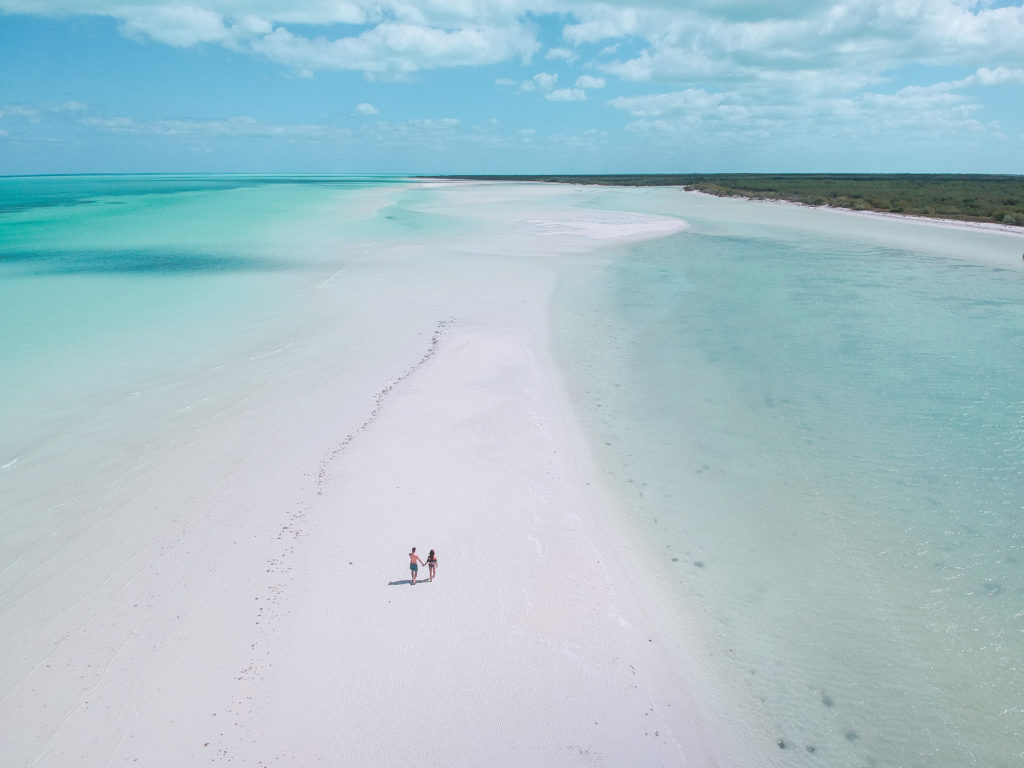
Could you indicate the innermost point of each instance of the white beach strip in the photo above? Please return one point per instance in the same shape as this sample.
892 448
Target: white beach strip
234 588
990 243
527 647
990 226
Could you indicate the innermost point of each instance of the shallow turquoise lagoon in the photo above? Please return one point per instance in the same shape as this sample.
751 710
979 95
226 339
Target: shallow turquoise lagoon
822 440
118 293
813 430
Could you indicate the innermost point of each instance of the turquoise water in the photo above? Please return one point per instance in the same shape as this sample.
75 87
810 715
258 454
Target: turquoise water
136 309
814 431
109 283
822 440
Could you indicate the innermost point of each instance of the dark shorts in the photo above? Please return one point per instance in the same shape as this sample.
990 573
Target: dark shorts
413 567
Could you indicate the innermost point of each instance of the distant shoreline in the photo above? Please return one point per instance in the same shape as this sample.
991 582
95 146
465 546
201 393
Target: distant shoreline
976 199
939 221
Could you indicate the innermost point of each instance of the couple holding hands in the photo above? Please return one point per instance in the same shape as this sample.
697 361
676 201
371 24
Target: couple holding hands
415 562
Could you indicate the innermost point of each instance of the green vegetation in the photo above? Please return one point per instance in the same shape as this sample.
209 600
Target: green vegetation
996 199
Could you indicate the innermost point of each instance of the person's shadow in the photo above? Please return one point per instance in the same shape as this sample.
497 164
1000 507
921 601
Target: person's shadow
408 581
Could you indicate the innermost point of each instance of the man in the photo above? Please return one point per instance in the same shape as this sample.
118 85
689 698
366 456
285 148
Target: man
414 563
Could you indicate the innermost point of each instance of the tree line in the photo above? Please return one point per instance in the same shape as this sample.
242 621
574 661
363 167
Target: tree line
968 197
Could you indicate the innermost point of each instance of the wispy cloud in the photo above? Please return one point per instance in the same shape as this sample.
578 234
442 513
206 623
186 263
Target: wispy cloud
589 81
396 39
234 126
696 114
407 132
394 50
709 39
561 54
20 112
567 94
35 113
542 81
754 71
998 76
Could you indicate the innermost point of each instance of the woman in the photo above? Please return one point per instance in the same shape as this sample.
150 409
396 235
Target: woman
432 564
413 566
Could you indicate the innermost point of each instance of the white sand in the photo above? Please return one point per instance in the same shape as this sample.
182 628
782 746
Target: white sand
989 243
239 594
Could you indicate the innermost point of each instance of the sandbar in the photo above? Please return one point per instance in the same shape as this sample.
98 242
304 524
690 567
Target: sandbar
238 591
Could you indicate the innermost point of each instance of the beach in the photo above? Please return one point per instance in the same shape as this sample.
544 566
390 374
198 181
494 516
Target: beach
678 518
237 590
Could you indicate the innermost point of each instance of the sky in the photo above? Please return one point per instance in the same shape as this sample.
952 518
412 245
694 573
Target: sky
511 86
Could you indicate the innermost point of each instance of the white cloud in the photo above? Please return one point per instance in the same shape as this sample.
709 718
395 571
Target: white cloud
391 50
176 24
397 37
724 40
441 122
652 126
736 65
430 133
69 106
677 102
913 113
608 22
589 81
542 81
36 113
677 65
233 126
545 81
984 78
830 45
367 109
997 76
435 133
32 114
567 94
561 54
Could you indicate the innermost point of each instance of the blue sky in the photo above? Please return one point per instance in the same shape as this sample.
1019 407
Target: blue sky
511 86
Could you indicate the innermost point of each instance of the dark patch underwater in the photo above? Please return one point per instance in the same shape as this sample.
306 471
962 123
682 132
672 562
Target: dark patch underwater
132 262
